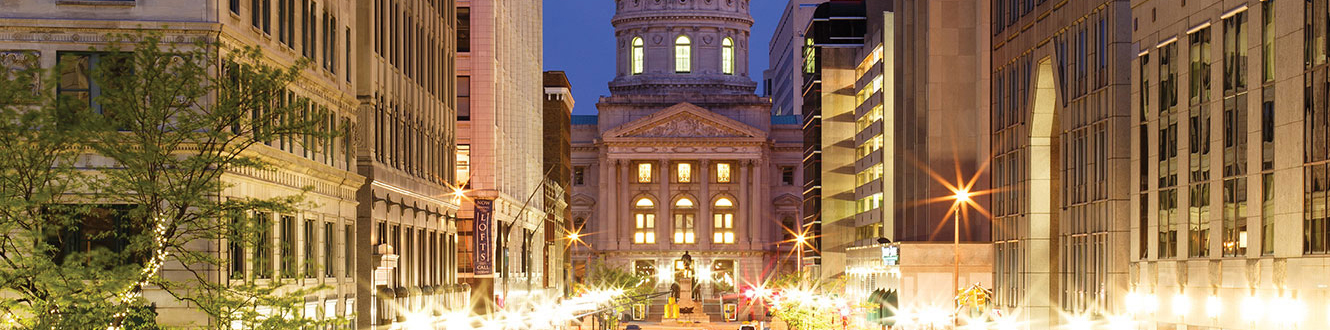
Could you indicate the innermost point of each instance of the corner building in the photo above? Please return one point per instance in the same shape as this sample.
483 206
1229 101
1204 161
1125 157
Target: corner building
684 157
1060 147
1230 230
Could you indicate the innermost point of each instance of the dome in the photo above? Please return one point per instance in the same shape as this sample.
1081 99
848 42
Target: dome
682 47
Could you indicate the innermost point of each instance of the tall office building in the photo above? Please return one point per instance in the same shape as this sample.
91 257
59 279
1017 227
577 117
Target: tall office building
502 219
1228 227
1060 158
783 81
684 157
911 100
407 208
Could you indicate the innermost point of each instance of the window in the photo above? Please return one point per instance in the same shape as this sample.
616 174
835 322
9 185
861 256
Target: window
810 56
260 11
236 246
1168 225
463 98
579 175
722 275
683 172
723 172
463 29
787 175
683 55
77 83
1235 52
328 249
263 250
1268 214
234 6
644 212
1268 41
644 173
723 221
349 251
1168 126
1199 77
288 238
1235 217
1199 221
311 268
639 55
463 165
683 222
727 56
93 229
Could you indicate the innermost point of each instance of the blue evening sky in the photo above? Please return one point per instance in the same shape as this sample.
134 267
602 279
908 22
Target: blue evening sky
580 41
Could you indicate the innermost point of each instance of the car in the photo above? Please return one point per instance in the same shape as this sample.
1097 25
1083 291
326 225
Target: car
747 327
632 327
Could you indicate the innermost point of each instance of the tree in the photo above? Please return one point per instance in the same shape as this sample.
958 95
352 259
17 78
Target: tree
803 302
602 276
101 193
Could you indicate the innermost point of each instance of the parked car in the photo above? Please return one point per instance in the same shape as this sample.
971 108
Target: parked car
747 327
632 327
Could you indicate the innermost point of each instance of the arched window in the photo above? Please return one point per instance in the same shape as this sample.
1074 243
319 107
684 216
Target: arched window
639 55
727 56
683 52
644 212
722 216
683 222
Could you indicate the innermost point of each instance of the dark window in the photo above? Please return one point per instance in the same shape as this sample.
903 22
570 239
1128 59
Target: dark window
288 246
787 175
263 249
93 229
463 29
463 97
328 249
349 253
236 246
579 175
311 268
234 5
79 80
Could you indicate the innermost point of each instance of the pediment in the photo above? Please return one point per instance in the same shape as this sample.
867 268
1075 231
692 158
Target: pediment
685 120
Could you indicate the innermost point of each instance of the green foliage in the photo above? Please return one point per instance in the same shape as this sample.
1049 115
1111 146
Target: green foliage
150 152
802 313
602 276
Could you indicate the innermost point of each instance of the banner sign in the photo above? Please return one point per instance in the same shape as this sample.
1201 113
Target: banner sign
891 255
484 258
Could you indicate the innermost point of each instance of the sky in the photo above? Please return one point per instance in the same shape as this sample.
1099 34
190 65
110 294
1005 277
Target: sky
579 40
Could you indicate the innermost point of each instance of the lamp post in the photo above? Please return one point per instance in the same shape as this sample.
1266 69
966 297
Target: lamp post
799 244
961 196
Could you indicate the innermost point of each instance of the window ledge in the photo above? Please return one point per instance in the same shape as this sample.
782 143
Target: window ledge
114 3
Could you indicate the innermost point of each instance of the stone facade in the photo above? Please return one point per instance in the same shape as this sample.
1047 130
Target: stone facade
1228 177
504 133
408 210
686 160
1060 126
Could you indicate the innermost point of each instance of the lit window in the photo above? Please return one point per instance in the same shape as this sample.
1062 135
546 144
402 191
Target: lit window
463 164
683 222
723 221
727 56
644 173
684 172
639 55
644 217
723 172
683 49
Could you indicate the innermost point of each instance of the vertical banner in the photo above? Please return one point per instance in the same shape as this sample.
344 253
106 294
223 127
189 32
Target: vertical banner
484 258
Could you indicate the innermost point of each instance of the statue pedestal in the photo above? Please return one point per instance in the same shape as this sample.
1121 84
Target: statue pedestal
685 310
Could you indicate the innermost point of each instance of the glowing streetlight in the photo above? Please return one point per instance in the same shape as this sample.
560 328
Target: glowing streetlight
799 241
962 196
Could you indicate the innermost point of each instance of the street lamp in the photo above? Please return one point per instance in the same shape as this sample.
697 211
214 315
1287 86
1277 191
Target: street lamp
799 241
961 196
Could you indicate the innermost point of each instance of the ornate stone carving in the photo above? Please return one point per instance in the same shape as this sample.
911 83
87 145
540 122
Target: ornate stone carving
684 126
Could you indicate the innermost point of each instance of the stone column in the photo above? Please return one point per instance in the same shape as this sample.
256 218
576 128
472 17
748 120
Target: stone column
743 212
767 215
663 203
626 167
605 203
705 226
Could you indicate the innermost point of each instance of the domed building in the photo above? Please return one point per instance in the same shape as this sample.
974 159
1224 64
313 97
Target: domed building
683 156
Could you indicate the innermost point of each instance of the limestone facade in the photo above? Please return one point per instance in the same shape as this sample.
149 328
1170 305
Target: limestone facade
1228 171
